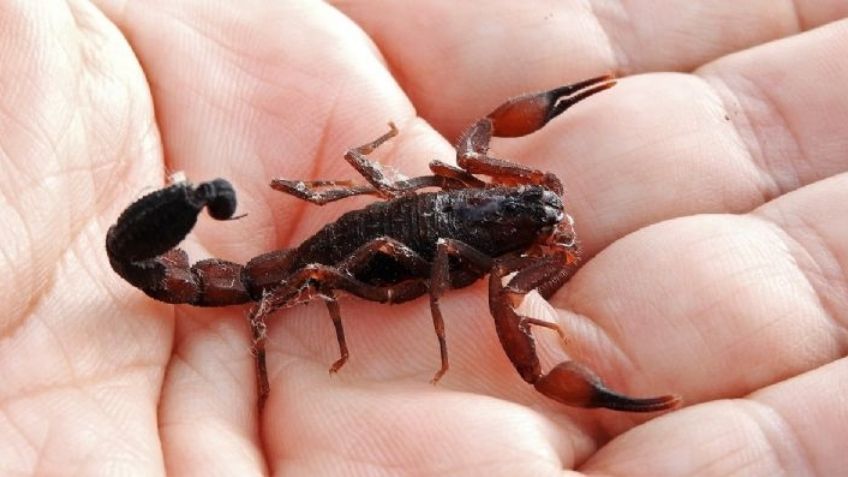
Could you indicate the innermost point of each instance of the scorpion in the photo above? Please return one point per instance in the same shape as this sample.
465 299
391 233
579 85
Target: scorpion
513 228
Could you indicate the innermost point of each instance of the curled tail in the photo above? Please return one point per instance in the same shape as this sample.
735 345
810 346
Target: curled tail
141 246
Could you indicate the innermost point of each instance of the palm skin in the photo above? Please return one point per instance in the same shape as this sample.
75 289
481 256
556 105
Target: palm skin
711 206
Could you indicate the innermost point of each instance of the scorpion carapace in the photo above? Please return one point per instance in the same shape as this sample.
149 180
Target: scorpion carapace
412 243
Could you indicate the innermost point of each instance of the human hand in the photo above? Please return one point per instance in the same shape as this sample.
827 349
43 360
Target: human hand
741 311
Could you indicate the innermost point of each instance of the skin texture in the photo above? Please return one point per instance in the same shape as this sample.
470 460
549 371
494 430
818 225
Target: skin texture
709 188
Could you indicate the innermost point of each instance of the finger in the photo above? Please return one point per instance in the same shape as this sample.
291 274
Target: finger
208 416
694 305
475 55
662 146
80 362
414 428
61 170
796 427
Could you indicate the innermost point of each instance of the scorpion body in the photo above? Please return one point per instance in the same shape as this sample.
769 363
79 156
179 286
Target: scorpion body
413 243
500 220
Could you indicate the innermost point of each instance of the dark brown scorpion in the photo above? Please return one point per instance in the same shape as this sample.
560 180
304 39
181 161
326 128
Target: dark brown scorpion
514 225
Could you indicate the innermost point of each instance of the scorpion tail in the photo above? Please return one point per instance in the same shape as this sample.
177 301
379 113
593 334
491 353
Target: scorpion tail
573 384
141 245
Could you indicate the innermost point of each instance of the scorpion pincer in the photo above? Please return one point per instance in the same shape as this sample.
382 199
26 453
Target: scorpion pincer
412 243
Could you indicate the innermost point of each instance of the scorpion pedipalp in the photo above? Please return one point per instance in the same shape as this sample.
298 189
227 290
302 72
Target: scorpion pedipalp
574 384
568 382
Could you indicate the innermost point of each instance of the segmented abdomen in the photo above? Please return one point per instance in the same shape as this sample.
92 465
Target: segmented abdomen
410 220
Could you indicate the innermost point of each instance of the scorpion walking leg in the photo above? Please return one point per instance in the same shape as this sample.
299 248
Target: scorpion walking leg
440 281
304 285
319 280
442 169
335 315
371 171
360 259
317 192
259 335
446 176
477 263
321 192
517 117
545 274
568 382
389 247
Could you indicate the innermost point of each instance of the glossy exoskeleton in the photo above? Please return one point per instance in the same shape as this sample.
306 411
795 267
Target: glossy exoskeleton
410 244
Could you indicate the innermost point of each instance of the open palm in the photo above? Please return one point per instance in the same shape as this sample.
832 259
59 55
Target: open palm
711 206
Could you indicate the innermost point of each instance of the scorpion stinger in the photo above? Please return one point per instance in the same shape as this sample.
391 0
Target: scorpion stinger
141 245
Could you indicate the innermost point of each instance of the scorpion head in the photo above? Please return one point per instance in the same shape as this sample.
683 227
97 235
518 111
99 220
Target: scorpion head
541 206
556 227
509 218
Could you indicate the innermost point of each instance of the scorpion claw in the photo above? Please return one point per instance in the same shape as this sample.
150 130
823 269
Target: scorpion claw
526 114
569 382
573 384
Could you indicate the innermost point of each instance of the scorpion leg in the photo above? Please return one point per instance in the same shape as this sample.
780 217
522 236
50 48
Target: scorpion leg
335 314
448 171
389 247
370 170
356 157
259 335
545 274
318 280
476 263
358 261
517 117
440 281
321 192
568 382
317 192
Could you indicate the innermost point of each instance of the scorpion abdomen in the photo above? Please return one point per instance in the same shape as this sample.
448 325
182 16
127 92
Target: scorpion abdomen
495 220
